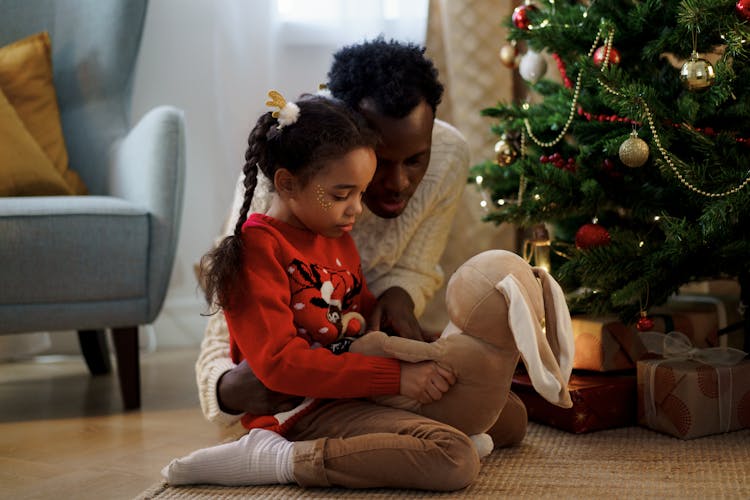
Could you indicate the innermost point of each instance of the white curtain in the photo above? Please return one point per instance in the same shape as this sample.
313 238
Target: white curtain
463 39
216 60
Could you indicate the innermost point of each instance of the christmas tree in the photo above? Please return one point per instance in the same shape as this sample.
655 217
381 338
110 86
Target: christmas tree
637 157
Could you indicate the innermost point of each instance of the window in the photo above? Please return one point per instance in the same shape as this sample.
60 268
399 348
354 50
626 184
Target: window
338 22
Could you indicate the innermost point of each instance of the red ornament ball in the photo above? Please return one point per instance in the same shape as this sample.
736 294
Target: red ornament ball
520 16
591 235
614 55
645 324
742 7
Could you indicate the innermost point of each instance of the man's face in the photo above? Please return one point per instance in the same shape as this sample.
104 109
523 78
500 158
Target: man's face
403 156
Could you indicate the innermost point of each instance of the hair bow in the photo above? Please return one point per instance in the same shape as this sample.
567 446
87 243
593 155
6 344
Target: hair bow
288 112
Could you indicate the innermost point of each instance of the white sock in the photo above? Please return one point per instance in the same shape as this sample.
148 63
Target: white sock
259 457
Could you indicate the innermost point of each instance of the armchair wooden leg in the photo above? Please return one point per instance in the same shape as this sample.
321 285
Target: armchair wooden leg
95 351
128 366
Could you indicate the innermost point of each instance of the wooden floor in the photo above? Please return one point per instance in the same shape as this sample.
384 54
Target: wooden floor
63 433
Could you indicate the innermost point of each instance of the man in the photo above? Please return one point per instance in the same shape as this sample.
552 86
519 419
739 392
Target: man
422 164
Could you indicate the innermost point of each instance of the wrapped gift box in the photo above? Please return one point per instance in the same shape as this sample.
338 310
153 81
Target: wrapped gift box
709 314
600 401
606 344
689 399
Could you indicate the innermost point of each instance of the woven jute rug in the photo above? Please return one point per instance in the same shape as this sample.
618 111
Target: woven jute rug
632 462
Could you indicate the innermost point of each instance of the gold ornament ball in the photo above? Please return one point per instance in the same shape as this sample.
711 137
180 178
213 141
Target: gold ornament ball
508 55
504 153
634 151
697 73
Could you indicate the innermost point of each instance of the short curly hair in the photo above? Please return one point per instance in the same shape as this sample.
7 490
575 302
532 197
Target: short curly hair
395 75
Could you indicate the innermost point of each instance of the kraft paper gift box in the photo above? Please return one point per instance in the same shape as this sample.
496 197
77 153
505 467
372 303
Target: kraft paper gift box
687 398
709 314
600 401
606 344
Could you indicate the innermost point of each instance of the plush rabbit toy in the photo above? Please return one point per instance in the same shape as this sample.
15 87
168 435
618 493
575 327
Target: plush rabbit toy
500 308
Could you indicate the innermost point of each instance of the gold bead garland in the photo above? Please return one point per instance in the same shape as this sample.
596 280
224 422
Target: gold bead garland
522 180
649 116
665 154
576 92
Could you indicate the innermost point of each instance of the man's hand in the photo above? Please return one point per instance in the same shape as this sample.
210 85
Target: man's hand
394 314
240 391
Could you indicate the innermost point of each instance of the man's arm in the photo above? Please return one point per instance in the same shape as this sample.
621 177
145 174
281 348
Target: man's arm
213 362
227 390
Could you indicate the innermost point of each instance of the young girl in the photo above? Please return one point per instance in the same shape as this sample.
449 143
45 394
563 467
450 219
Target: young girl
288 282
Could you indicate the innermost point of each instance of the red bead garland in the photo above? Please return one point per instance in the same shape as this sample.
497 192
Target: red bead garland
709 131
563 73
558 161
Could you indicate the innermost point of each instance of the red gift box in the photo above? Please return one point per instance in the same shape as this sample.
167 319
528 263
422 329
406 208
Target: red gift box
600 401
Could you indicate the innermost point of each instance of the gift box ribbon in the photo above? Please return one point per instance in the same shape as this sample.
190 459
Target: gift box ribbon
676 346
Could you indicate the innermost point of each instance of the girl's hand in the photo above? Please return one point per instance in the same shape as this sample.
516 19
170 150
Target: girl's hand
425 381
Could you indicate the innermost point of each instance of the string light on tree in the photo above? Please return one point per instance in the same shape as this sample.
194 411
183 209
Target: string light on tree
654 210
486 200
634 151
665 155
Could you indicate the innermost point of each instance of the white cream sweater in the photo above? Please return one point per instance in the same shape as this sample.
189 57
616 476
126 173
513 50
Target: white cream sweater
402 252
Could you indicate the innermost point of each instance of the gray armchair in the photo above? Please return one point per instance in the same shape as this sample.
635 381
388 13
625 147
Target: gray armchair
101 261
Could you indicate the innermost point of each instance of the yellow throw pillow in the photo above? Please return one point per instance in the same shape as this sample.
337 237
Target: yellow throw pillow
24 168
26 80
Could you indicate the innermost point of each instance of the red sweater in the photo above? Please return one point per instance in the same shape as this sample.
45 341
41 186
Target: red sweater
300 286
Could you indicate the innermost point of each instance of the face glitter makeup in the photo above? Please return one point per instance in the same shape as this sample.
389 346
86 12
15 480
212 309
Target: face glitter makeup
320 193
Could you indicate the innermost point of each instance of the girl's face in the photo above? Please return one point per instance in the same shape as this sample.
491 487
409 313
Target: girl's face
332 199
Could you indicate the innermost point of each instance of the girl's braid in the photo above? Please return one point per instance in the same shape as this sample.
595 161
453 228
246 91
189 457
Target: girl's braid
220 267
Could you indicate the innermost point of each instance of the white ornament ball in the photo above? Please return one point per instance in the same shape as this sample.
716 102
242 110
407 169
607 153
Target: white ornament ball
532 66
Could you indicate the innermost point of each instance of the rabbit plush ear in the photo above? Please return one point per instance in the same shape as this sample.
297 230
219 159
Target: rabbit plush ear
531 341
559 325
